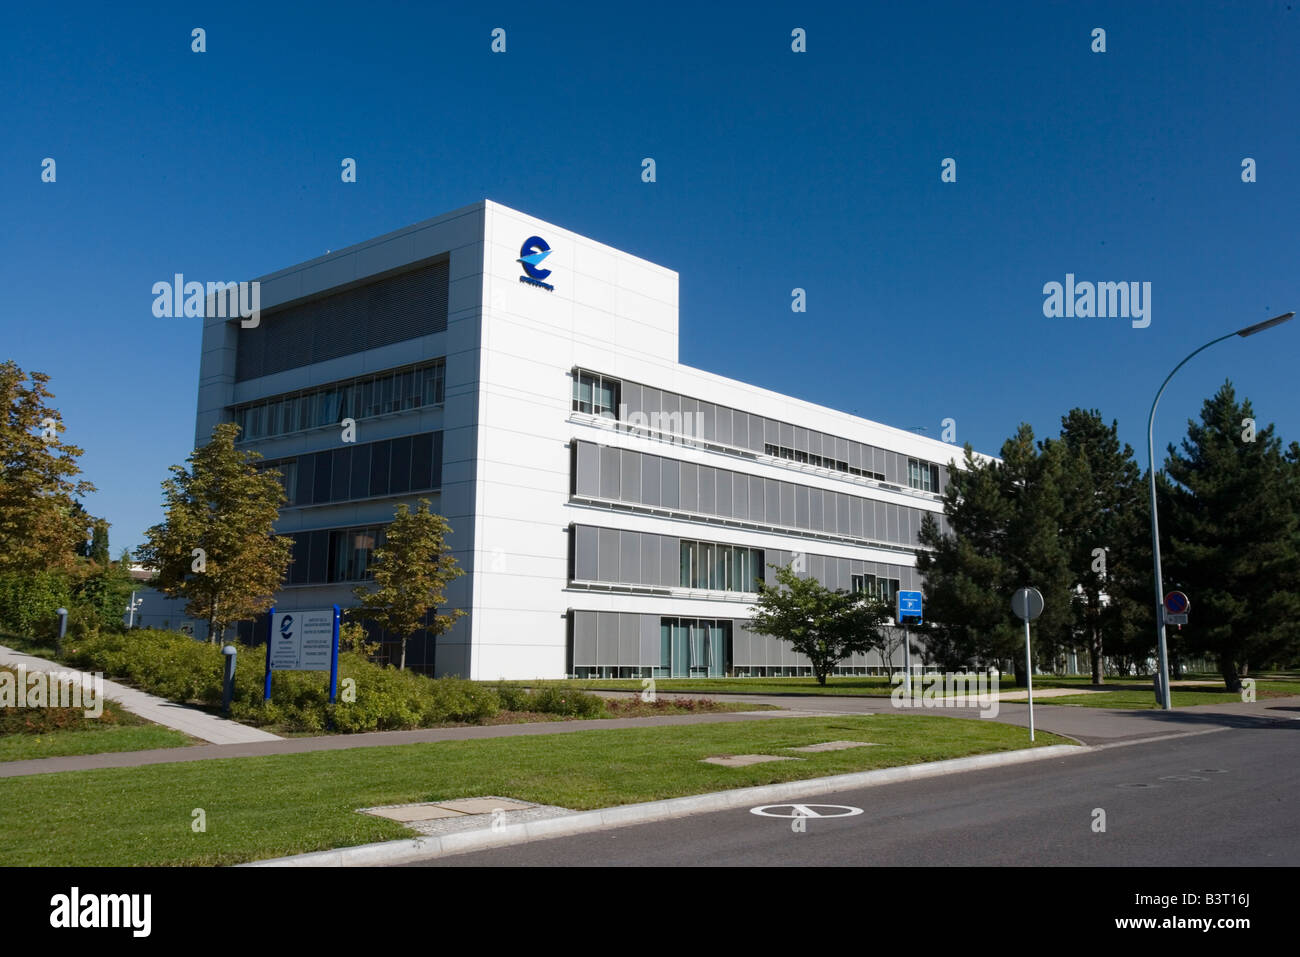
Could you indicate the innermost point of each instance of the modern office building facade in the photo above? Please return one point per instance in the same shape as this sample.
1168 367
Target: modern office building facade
610 507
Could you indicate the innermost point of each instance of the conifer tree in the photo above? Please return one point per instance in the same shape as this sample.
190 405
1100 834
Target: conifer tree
1232 538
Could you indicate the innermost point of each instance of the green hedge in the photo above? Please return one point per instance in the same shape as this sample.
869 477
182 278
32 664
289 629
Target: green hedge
175 666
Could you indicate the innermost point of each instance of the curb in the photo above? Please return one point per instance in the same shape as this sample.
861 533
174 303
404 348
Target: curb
423 848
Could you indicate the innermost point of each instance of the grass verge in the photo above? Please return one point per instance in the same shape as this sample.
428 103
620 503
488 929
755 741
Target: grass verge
59 744
287 804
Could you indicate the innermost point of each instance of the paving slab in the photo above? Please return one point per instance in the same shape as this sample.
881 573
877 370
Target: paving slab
836 746
484 805
407 813
745 760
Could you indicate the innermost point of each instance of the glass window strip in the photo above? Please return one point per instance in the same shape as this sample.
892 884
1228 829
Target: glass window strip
360 397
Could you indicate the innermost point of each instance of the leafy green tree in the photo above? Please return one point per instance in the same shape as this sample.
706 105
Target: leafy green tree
1232 538
216 547
40 524
411 572
105 590
825 626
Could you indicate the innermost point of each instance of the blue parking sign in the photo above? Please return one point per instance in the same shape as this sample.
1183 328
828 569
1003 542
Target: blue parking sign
909 605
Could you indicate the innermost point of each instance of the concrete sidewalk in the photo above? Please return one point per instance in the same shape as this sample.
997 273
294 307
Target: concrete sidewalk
192 721
340 742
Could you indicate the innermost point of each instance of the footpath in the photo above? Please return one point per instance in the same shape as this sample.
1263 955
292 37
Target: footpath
197 724
1090 726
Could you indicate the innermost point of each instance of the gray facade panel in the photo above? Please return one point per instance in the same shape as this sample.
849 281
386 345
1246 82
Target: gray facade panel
670 486
650 480
607 633
607 555
629 557
670 561
690 490
631 476
584 639
585 545
629 640
610 472
708 493
649 644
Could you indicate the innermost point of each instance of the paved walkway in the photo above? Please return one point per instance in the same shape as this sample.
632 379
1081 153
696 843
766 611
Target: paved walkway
192 721
1088 725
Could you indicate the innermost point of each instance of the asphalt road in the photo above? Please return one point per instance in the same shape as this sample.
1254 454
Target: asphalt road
1225 798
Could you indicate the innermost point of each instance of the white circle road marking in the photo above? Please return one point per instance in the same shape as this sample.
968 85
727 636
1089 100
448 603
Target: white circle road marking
807 810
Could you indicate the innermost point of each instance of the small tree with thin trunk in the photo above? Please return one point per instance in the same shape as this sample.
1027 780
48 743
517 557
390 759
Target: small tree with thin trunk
823 625
411 572
216 546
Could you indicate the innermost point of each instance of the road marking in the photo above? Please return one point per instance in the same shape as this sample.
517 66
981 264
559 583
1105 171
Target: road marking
807 810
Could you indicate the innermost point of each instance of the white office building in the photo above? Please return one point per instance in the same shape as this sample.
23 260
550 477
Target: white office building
610 506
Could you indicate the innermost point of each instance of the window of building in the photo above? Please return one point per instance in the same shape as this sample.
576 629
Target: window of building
596 394
922 475
715 567
334 555
886 589
359 398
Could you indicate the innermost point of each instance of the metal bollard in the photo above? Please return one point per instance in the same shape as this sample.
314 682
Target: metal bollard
228 689
63 629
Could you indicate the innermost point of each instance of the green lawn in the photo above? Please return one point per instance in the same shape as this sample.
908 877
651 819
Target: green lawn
57 744
1143 697
285 804
879 686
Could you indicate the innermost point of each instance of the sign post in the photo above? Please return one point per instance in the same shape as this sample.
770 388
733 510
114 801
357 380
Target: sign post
1027 603
303 641
909 607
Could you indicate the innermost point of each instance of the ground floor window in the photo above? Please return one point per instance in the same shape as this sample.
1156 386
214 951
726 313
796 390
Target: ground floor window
694 647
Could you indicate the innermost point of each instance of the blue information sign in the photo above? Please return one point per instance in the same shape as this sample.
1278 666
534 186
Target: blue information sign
909 605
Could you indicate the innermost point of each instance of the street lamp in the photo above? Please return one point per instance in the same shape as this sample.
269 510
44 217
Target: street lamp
1164 697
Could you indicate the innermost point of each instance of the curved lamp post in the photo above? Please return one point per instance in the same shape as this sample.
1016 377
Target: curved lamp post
1164 697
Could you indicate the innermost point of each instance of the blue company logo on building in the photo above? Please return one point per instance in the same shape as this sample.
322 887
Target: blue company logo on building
531 254
286 627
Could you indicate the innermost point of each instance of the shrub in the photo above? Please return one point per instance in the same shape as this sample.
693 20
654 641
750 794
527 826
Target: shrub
513 697
557 699
175 666
29 600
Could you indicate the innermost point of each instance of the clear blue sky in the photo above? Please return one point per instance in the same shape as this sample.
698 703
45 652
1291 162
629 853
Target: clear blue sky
775 170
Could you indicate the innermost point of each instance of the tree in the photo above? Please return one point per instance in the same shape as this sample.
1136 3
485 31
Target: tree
411 572
1232 537
216 546
40 522
823 625
1005 522
105 590
99 543
1101 494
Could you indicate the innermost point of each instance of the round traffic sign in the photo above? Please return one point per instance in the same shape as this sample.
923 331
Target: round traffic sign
1176 603
806 810
1027 603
